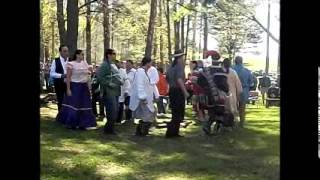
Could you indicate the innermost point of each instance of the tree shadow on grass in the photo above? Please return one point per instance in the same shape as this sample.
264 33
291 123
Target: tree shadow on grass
250 153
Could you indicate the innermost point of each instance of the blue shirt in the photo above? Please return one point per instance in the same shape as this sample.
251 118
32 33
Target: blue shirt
246 79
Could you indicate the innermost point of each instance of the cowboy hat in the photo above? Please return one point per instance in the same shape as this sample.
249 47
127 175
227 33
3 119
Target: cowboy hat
178 53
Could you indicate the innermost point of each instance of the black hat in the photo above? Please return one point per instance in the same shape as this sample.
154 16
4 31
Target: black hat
178 53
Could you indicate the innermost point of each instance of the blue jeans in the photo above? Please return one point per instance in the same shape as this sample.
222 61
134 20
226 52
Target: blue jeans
112 107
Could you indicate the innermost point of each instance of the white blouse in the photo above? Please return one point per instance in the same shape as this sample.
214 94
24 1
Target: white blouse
142 89
80 71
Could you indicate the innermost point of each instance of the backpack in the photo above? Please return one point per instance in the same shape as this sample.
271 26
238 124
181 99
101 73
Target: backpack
214 81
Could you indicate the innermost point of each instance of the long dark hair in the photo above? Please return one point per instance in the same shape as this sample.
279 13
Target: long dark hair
145 60
227 64
195 63
77 52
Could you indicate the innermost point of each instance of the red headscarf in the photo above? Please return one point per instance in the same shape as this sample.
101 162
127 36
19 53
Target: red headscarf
214 54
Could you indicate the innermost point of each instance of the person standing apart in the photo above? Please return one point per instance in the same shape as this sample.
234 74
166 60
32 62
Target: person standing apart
76 111
110 82
58 73
142 97
177 94
264 84
245 77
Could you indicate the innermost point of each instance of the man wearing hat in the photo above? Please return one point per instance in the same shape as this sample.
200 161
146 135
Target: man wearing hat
177 94
264 85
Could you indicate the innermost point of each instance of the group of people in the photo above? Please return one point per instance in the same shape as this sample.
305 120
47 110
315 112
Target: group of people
117 86
121 88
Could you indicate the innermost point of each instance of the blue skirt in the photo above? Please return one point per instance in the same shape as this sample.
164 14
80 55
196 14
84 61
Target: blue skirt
76 109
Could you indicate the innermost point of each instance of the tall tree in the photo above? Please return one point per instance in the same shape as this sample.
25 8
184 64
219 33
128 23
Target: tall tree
187 36
112 29
72 25
61 22
155 45
201 17
152 18
176 30
205 29
52 40
182 29
88 32
41 33
161 36
168 30
194 29
268 26
234 29
106 25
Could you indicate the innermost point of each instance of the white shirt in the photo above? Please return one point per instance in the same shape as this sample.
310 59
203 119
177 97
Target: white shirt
80 71
53 68
130 76
142 89
126 84
154 79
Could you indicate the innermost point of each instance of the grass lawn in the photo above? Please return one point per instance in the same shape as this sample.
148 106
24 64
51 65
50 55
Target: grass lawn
249 153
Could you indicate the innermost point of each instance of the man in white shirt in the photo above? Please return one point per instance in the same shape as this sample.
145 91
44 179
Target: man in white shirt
124 89
154 79
130 75
58 73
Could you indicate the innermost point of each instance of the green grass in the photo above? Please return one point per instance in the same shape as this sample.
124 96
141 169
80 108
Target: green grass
249 153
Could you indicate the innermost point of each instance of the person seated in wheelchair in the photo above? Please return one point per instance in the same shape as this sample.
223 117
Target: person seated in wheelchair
273 91
273 95
213 80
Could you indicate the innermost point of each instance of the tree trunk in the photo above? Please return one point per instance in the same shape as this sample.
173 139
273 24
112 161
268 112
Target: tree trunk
88 33
205 30
278 66
61 22
155 46
200 37
106 26
72 24
176 31
168 30
41 36
46 51
52 40
194 29
112 29
152 18
187 36
161 37
267 56
182 29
